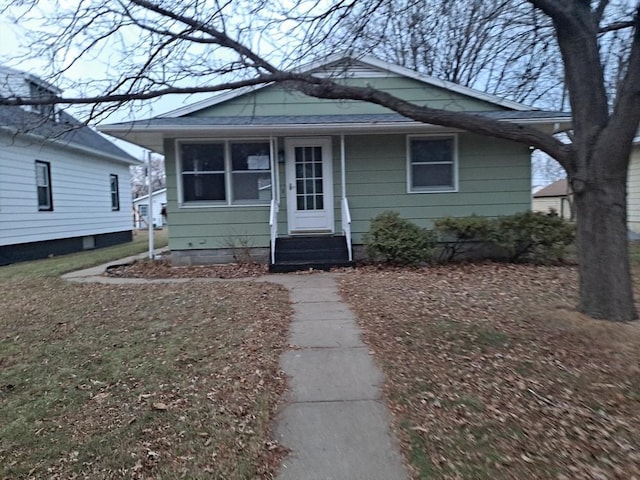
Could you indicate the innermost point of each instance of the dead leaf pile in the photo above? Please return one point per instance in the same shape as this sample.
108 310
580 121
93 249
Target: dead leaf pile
164 269
491 374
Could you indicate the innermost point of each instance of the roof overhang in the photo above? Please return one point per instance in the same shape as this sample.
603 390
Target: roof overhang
152 136
62 143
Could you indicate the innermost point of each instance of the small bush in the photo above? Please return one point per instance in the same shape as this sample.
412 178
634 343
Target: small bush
463 235
397 240
533 237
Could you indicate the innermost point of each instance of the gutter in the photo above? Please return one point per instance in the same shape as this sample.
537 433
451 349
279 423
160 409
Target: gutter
298 127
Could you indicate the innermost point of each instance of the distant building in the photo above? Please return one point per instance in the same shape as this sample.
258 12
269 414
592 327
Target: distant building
555 197
141 209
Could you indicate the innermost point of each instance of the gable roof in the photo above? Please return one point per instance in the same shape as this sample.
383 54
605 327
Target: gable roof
559 188
67 132
361 66
61 128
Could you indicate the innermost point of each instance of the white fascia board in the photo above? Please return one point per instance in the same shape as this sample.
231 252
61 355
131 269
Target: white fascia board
153 194
291 129
454 87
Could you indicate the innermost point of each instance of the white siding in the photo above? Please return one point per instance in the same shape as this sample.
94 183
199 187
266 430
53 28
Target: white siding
544 205
159 199
633 191
80 190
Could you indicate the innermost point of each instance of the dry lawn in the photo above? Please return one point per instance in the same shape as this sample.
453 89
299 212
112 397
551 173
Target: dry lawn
491 374
137 382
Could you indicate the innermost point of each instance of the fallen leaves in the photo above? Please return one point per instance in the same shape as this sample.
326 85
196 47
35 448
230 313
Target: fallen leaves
491 374
164 269
142 382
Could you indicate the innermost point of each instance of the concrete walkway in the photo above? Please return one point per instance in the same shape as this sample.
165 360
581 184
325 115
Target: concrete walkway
334 421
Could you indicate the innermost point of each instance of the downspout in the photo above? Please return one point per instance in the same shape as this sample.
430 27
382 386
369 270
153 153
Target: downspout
342 167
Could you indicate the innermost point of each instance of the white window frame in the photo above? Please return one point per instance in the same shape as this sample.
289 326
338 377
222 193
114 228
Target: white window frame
228 173
115 193
145 207
46 166
454 163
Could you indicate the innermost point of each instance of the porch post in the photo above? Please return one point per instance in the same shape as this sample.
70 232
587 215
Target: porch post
275 178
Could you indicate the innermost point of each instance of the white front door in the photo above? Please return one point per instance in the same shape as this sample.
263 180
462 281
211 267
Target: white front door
309 167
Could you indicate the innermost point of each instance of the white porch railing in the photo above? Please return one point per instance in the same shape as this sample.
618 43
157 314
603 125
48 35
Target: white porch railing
346 225
273 226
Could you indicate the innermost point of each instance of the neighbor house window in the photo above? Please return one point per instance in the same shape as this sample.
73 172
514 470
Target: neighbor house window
43 185
38 91
226 172
115 192
432 164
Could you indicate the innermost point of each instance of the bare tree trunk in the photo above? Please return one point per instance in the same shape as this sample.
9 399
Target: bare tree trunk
605 278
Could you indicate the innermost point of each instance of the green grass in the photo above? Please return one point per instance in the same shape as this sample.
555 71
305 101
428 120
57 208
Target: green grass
56 266
82 365
634 253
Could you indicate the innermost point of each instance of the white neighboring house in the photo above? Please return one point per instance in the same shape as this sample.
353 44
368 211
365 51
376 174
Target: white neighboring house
141 209
633 191
63 186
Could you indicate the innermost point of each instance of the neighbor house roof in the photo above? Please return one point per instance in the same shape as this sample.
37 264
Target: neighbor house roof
65 131
153 194
559 188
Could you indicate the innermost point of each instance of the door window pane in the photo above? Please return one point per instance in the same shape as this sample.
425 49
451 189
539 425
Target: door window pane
309 186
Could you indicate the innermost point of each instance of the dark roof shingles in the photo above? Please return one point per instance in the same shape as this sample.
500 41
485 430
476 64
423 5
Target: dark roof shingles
66 130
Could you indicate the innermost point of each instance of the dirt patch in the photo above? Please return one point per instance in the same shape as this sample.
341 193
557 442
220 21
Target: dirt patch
491 374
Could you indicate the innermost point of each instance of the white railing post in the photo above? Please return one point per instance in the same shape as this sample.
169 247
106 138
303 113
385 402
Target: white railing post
346 214
346 226
273 227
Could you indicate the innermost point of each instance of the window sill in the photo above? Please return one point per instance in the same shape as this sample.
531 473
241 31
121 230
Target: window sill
223 205
448 190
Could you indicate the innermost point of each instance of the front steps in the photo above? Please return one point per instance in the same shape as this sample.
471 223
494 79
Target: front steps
316 252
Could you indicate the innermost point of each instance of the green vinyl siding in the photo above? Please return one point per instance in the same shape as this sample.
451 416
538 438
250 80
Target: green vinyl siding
276 100
494 179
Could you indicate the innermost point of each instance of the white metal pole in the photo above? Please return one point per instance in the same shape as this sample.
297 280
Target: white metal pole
343 167
150 207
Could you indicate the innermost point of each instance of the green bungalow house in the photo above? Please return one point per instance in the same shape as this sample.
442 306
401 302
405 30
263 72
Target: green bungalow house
295 180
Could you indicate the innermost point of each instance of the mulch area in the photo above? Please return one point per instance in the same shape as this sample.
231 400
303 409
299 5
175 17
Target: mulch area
163 269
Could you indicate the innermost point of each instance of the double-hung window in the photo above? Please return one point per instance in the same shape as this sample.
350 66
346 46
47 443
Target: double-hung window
432 164
225 172
43 186
115 192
